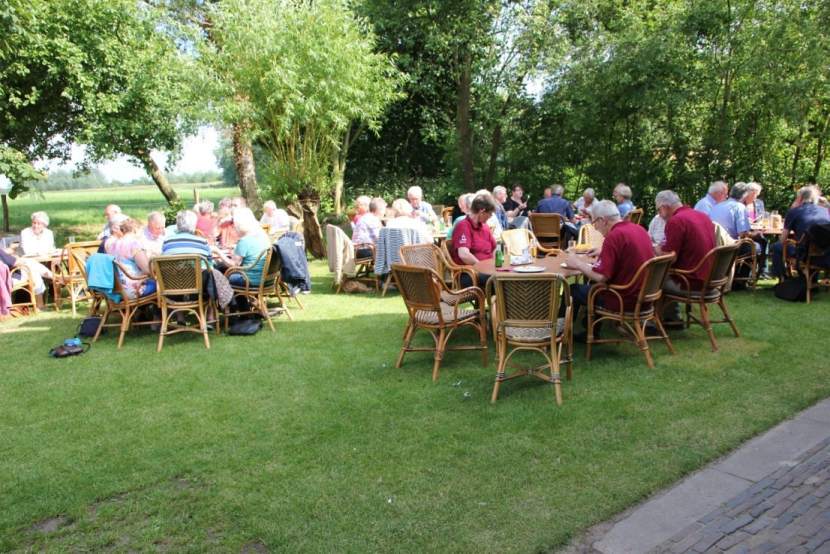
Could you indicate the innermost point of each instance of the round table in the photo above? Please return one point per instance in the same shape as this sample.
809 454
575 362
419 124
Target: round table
552 264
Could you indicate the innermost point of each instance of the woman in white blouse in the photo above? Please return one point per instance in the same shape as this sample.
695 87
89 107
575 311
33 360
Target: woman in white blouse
37 240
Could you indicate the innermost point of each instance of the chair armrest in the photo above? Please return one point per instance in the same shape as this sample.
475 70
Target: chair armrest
129 275
610 289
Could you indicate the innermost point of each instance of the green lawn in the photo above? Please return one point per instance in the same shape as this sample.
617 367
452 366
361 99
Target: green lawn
308 439
81 212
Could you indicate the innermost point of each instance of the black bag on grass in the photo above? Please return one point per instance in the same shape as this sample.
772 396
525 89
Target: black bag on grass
89 326
244 326
794 290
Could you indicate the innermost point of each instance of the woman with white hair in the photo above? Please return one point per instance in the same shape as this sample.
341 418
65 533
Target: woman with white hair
755 208
622 196
252 242
275 218
128 250
206 221
38 240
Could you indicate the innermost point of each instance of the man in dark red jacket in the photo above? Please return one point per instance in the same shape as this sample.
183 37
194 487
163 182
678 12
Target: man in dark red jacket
626 247
690 234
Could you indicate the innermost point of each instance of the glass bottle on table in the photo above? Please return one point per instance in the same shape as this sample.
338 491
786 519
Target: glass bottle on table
534 249
499 254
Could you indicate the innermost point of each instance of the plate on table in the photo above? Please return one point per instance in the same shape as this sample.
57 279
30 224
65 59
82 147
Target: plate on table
528 269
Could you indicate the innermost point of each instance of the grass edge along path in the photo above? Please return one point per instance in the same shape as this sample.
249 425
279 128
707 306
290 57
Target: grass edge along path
309 439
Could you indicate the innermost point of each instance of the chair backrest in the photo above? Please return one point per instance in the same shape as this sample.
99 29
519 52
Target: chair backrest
650 278
546 226
446 214
178 275
634 216
517 241
723 258
589 235
529 300
423 255
272 269
76 254
420 287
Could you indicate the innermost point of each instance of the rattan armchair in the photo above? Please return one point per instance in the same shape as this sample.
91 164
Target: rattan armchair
518 240
180 291
25 284
747 260
649 280
269 286
712 291
125 308
68 273
525 311
588 235
634 216
461 269
437 309
547 228
817 275
432 257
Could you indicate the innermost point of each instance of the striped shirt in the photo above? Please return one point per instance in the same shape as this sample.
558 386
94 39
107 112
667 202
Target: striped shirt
186 243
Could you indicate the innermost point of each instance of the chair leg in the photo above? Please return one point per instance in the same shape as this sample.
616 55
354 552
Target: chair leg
707 325
555 377
728 317
589 341
482 332
407 338
263 309
665 335
439 353
386 285
203 324
501 352
101 324
126 316
643 343
163 328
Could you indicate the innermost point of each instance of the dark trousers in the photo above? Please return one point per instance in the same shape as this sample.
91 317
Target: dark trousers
465 281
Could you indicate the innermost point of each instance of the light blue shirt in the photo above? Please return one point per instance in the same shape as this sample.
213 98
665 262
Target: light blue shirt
731 215
706 204
625 206
425 212
249 248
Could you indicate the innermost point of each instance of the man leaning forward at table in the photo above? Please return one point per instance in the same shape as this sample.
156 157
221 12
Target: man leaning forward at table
626 247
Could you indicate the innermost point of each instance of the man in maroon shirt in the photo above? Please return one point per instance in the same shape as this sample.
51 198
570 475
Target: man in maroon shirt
689 234
471 237
626 247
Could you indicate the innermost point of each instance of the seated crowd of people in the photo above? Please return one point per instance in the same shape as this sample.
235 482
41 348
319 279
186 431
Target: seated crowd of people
230 237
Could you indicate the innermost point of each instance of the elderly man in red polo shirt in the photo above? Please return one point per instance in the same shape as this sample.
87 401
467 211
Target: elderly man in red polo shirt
690 234
471 237
626 247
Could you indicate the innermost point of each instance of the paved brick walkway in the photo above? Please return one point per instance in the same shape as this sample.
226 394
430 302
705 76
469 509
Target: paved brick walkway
788 512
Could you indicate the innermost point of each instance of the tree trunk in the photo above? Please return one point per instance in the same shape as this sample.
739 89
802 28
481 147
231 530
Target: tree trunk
495 146
313 234
796 156
820 150
462 121
339 171
159 178
243 160
5 213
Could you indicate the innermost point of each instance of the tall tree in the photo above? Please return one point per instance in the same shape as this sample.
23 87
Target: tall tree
302 74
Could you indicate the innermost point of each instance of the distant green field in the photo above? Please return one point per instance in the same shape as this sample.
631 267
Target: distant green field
80 212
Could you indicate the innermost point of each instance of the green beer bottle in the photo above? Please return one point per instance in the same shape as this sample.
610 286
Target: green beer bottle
499 254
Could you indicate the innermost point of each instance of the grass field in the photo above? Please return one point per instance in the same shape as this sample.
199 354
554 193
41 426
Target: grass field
80 213
308 439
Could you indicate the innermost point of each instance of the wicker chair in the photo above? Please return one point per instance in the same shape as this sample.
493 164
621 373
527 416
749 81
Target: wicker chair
68 273
517 240
748 260
817 275
525 314
125 308
446 215
634 216
715 286
179 281
270 286
547 228
790 263
649 279
437 309
468 269
589 235
26 286
432 257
